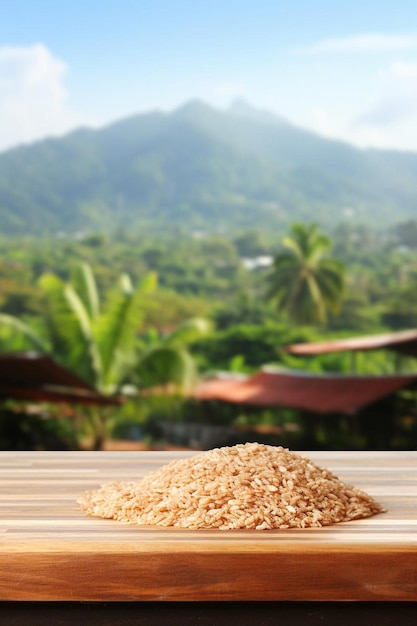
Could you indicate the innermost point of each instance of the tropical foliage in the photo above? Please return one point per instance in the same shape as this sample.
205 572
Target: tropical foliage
101 342
123 332
306 282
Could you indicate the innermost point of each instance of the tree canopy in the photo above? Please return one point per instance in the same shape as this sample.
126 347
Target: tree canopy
305 281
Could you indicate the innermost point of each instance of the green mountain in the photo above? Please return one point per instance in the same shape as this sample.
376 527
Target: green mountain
202 168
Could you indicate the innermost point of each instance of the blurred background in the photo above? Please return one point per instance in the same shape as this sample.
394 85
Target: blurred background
208 224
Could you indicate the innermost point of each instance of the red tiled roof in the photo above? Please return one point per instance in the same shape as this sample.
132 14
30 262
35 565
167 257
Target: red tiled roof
302 390
38 378
403 341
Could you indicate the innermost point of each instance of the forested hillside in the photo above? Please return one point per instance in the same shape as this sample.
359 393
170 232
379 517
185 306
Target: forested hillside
200 168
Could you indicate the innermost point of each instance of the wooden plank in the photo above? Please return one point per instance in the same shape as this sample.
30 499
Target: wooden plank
49 550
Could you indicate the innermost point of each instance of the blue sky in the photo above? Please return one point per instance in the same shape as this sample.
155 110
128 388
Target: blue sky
344 69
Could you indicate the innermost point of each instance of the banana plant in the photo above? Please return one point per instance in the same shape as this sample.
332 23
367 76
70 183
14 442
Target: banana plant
100 341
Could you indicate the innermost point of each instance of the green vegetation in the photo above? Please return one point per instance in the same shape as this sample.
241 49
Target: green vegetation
102 345
305 281
168 246
133 311
195 168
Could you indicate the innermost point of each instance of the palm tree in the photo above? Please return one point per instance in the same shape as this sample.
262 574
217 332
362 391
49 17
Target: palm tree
100 343
305 281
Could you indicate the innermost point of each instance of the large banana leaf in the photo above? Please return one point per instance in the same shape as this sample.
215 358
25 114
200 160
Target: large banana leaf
115 329
87 347
189 331
69 328
23 329
84 284
165 365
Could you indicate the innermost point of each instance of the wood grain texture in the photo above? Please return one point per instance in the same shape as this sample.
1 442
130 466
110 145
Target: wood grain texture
49 549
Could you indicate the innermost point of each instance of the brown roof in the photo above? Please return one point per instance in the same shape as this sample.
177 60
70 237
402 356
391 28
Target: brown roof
36 377
403 341
302 390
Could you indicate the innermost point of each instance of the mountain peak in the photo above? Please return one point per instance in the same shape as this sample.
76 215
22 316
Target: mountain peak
243 108
198 109
200 166
193 108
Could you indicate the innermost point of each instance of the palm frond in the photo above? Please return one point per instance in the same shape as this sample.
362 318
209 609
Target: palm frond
304 281
294 246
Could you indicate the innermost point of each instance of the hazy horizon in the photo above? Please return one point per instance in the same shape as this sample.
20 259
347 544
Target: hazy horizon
343 72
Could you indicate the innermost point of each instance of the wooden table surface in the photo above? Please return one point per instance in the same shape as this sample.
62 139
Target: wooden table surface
50 550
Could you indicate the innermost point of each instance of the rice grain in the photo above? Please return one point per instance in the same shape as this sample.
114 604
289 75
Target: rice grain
247 486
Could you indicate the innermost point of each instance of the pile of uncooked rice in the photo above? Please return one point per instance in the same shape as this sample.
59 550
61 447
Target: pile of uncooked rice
244 486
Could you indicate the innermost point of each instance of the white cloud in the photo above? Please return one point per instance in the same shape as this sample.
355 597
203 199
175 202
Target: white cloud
397 100
400 69
323 123
372 42
327 122
33 99
368 104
